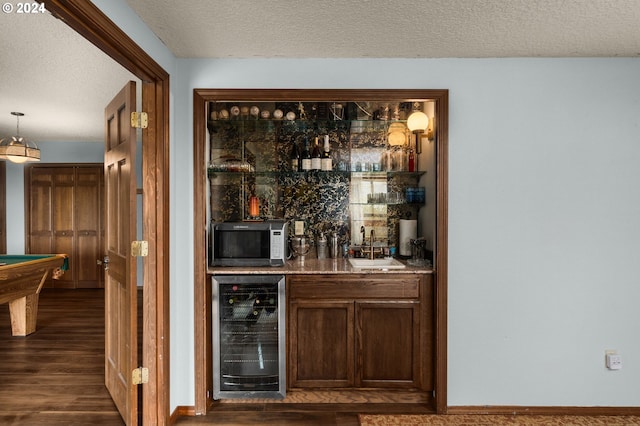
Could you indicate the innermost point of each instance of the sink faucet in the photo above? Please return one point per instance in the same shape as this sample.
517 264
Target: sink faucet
371 244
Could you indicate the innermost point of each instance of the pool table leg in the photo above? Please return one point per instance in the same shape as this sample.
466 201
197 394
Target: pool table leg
24 313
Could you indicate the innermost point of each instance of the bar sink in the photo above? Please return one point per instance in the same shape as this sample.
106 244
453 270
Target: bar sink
376 263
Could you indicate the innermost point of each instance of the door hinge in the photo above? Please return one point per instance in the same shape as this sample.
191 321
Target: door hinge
139 248
140 375
139 120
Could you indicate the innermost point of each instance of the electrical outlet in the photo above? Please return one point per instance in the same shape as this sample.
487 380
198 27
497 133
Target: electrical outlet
613 360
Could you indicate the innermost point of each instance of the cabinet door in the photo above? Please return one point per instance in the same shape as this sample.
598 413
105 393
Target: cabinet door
388 344
321 350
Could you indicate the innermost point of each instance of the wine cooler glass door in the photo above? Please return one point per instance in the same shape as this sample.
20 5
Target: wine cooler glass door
248 336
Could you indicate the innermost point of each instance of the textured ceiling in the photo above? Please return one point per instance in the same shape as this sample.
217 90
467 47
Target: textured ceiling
394 28
62 82
59 80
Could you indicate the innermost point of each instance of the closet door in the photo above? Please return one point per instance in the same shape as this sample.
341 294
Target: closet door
40 225
64 234
65 216
88 221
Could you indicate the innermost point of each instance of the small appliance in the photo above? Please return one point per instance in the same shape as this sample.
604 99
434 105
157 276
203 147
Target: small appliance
248 243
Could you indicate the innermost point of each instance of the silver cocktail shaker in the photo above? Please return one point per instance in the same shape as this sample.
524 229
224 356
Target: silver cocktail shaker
321 247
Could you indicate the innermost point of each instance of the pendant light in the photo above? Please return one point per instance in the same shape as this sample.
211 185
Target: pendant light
18 149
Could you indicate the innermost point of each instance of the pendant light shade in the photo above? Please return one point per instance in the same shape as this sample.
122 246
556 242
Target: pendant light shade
18 149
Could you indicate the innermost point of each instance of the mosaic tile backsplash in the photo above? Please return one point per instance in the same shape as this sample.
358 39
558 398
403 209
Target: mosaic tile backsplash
326 201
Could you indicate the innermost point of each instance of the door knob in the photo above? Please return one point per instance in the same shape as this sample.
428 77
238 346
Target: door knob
105 263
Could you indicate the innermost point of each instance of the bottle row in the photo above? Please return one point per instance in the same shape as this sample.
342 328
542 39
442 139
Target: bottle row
307 158
304 157
335 111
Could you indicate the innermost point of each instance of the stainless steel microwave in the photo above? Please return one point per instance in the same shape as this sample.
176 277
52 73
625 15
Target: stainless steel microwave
248 243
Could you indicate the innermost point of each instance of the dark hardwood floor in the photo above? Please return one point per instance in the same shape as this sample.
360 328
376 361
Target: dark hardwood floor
55 376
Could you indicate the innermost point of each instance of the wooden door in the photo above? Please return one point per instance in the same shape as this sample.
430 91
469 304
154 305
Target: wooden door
88 226
64 215
49 215
321 346
388 353
120 230
63 222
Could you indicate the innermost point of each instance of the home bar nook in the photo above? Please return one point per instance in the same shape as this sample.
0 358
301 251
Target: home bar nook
321 220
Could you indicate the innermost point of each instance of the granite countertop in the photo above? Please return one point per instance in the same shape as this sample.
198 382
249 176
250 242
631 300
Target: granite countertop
315 266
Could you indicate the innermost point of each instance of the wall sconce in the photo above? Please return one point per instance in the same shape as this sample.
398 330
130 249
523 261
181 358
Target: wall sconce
397 134
418 123
18 149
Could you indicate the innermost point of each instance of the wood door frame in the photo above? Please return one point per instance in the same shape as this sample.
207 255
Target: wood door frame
202 317
90 22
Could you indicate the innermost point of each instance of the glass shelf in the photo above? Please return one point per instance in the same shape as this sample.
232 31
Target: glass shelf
359 125
213 170
400 203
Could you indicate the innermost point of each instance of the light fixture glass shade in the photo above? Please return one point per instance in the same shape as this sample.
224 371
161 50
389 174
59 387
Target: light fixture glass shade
18 150
418 121
397 134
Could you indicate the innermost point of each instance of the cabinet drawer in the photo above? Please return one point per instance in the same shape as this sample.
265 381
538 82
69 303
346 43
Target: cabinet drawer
362 286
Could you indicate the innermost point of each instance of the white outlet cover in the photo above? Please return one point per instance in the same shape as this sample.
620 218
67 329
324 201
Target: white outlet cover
614 361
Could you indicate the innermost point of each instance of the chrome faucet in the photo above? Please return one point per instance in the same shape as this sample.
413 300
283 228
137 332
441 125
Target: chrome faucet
371 244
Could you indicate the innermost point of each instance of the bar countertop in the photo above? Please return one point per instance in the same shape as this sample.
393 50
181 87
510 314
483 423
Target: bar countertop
315 266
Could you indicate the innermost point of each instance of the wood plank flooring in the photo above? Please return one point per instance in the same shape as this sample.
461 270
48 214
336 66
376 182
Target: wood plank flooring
55 376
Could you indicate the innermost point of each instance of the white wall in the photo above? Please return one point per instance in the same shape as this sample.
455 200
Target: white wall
543 214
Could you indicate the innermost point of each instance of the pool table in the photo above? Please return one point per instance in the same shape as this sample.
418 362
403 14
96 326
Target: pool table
21 279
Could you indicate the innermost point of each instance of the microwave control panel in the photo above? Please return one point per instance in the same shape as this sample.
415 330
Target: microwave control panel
278 244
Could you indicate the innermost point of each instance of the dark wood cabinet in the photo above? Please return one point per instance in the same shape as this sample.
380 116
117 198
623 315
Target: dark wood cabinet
360 331
65 215
388 344
321 349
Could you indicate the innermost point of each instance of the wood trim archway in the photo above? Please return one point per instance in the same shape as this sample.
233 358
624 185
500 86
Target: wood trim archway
202 296
89 21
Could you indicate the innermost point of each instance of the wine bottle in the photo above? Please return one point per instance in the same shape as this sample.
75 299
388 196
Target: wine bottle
294 158
327 161
316 156
305 156
412 161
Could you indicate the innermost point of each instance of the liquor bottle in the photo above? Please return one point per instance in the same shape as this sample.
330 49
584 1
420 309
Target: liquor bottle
327 161
316 156
294 158
412 161
305 156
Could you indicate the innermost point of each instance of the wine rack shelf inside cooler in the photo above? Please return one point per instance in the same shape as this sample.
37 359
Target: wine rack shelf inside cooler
248 336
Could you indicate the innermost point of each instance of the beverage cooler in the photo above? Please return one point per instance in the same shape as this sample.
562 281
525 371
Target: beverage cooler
248 315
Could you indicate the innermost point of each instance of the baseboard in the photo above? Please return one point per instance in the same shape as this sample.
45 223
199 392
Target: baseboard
546 410
180 411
